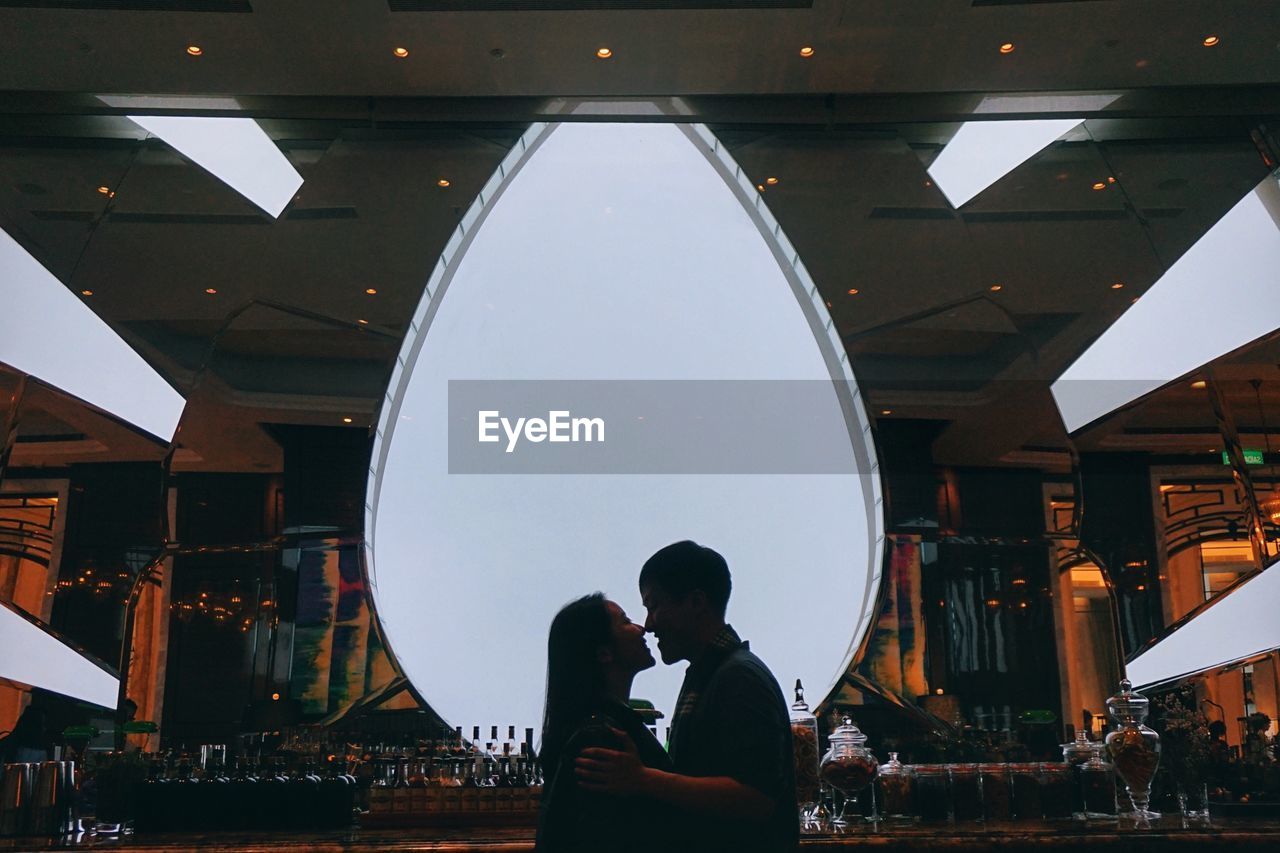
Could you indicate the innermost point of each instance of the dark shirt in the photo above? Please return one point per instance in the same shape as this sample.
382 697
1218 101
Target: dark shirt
732 721
572 819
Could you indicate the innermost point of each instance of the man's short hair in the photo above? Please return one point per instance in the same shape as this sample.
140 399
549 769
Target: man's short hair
682 567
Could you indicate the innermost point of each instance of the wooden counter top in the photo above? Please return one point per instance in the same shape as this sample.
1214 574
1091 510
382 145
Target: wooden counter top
1166 835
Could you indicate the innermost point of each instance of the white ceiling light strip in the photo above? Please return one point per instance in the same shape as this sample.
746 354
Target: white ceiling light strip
46 332
30 655
983 152
236 151
1220 295
1238 625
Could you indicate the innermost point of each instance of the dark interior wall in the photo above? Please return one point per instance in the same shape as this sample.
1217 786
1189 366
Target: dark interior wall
113 528
326 470
1118 527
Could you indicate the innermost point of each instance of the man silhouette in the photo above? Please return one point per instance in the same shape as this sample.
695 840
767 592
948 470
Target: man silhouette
734 780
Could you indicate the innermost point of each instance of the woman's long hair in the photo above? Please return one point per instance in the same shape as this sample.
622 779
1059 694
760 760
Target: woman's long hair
575 678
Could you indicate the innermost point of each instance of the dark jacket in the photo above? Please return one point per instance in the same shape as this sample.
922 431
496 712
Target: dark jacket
738 726
574 820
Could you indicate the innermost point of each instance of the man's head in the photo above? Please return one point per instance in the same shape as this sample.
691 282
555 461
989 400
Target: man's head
685 589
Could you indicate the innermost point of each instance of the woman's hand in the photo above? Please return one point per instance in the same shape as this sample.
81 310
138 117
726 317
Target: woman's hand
612 771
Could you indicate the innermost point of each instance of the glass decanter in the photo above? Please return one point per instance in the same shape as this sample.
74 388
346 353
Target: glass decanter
848 767
804 743
1133 748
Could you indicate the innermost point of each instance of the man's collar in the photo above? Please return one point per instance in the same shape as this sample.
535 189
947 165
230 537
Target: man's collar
722 644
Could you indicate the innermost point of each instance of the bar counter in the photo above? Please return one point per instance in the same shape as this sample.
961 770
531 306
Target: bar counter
1168 834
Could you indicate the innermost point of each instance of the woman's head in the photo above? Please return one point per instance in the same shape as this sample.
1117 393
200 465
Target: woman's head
590 638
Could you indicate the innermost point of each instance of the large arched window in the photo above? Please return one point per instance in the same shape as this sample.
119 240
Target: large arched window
637 256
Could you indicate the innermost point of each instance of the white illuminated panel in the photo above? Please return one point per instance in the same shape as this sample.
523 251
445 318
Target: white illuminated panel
234 150
31 656
983 152
615 252
47 332
1238 625
1217 297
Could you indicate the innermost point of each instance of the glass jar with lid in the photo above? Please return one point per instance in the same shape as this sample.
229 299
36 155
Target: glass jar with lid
804 744
1076 754
1134 749
848 767
1098 787
893 785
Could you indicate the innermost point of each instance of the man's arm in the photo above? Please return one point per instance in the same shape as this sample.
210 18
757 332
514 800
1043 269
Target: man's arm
622 772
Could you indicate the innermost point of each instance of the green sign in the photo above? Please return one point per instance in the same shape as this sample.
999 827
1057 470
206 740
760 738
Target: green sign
1251 457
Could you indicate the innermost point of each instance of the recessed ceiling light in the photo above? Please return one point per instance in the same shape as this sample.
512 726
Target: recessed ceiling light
1199 383
442 183
760 187
194 49
1117 285
1111 179
371 290
996 288
1007 47
401 52
104 190
1210 41
86 293
806 51
211 290
346 420
853 291
771 181
886 411
1099 186
604 53
363 322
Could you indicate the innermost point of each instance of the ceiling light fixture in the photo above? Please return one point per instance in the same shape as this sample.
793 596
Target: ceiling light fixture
442 183
853 291
104 190
211 290
371 290
1117 285
771 181
401 52
1199 383
194 50
1210 41
806 51
1099 186
346 420
996 288
760 187
604 53
86 293
886 411
1007 47
363 322
1111 179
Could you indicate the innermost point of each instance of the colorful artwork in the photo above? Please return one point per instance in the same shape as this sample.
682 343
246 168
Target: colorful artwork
338 656
894 656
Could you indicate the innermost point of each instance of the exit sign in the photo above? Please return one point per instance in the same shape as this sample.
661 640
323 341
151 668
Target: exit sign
1251 457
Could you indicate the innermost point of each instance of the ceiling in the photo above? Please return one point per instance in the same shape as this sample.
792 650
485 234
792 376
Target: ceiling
849 133
306 47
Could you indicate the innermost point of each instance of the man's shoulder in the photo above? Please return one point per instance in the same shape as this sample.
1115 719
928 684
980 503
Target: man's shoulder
742 670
